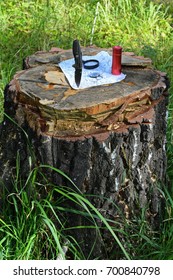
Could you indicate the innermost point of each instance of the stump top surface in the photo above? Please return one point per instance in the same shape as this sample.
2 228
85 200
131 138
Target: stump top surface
46 85
43 88
62 97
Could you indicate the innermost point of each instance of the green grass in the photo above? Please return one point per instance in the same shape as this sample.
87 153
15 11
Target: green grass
33 223
33 220
34 227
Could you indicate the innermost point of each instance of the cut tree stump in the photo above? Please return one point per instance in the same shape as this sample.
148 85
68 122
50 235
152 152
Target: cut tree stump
110 140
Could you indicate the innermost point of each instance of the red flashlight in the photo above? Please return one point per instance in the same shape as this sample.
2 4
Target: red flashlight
116 60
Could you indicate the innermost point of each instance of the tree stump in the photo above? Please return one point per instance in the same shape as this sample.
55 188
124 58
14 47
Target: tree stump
110 140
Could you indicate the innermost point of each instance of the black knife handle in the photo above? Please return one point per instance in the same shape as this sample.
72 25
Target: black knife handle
77 54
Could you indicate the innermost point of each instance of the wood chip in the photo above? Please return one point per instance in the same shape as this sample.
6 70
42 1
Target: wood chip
56 77
69 92
46 101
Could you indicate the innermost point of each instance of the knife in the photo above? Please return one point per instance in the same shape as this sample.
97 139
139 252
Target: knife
78 61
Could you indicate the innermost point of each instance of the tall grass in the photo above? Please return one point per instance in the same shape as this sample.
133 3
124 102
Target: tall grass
133 24
33 223
34 227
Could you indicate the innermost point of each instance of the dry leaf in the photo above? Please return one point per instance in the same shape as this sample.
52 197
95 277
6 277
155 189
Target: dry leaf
56 77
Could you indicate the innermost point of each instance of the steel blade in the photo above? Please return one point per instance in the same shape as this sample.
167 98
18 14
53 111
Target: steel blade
78 74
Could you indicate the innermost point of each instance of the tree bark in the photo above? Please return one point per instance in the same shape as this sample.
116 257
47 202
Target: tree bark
109 140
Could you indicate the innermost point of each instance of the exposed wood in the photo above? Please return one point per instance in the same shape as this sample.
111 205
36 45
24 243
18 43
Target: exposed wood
110 140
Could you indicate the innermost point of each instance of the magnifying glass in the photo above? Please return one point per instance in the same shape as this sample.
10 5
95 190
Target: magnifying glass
90 64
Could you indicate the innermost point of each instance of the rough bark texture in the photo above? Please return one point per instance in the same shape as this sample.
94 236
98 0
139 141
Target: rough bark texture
118 159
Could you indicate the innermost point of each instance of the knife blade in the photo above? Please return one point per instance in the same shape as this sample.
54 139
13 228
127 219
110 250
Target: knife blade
78 61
